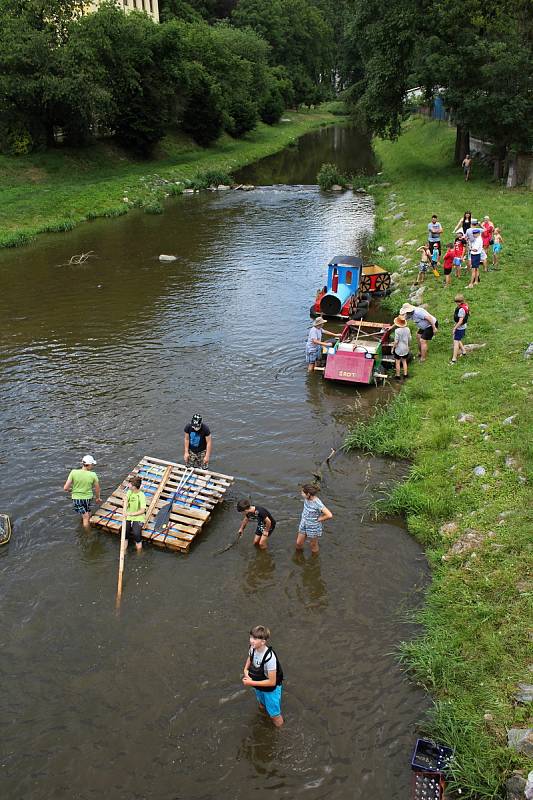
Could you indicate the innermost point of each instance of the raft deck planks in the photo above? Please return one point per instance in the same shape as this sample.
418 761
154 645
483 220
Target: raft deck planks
190 510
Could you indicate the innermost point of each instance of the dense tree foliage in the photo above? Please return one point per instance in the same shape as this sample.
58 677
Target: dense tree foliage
478 56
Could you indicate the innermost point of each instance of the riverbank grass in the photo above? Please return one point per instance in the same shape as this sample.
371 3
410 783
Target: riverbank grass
56 190
467 429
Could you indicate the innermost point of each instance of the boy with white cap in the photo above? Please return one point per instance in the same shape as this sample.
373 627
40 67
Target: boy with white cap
84 485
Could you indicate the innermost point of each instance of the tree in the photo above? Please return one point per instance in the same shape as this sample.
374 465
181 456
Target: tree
301 41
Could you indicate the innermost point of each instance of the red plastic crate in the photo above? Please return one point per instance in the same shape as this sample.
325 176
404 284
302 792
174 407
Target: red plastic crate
428 786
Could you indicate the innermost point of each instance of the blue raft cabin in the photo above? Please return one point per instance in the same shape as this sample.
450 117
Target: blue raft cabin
350 288
194 495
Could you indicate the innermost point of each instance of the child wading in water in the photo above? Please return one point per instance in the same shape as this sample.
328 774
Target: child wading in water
133 509
400 350
313 515
83 485
263 672
265 522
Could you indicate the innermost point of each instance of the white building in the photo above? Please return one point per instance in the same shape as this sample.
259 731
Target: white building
150 7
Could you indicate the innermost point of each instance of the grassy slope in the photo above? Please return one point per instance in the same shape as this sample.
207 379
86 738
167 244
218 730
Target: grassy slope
56 190
475 645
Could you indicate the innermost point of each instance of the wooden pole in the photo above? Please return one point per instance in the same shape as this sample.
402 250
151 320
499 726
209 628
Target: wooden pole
121 559
151 507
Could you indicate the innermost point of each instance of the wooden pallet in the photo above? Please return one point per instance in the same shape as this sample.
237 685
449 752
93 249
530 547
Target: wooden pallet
190 511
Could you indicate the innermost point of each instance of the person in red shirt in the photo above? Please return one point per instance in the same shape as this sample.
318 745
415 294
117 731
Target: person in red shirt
458 255
447 264
487 234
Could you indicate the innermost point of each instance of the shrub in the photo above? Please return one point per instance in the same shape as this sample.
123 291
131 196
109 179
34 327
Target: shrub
329 175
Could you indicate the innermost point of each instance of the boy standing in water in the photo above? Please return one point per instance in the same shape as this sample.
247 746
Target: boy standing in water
313 515
83 485
133 509
263 672
265 522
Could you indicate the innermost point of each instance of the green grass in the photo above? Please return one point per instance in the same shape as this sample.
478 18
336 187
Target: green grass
56 190
475 646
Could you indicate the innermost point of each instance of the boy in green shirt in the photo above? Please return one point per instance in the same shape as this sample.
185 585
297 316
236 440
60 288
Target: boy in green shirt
133 509
83 485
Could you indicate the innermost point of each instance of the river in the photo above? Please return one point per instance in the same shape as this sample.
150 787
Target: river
112 358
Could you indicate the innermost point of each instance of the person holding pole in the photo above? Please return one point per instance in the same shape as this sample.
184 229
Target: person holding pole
134 510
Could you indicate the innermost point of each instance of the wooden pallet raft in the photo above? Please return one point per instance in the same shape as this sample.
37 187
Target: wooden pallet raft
191 508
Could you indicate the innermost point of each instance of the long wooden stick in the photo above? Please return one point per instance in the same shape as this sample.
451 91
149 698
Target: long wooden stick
123 532
121 560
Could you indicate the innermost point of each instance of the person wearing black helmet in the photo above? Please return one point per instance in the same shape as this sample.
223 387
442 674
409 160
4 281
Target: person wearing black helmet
197 443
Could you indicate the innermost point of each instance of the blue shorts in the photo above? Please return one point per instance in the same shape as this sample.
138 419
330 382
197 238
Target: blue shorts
457 262
270 700
82 506
475 260
312 530
459 334
311 356
497 248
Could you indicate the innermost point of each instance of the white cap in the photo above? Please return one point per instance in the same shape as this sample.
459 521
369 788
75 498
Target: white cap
88 460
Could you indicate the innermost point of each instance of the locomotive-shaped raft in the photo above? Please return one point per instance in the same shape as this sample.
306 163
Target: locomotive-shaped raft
349 289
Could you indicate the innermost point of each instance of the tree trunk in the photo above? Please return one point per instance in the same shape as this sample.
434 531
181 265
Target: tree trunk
462 143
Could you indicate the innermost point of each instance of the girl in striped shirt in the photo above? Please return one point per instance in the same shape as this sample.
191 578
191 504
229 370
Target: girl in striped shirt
313 515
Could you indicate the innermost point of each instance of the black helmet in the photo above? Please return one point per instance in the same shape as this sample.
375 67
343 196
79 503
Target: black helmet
196 421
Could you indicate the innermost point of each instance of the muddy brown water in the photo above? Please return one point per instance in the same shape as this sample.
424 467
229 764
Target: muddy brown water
112 358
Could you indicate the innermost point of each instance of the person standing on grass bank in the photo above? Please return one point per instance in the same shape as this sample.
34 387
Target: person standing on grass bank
464 223
313 346
497 247
197 443
265 522
471 234
263 672
447 264
400 348
460 316
475 259
84 485
313 515
435 258
133 510
426 325
467 166
458 255
487 232
434 233
425 260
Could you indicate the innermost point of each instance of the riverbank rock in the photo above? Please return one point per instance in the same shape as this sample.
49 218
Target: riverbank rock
509 420
470 375
470 540
525 690
163 257
521 740
463 417
471 347
515 787
448 529
188 191
336 187
529 351
479 471
223 188
399 215
411 243
398 242
382 249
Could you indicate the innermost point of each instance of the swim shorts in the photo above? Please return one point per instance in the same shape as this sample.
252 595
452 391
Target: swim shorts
459 334
312 356
270 700
423 267
497 248
457 261
134 528
475 260
82 506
